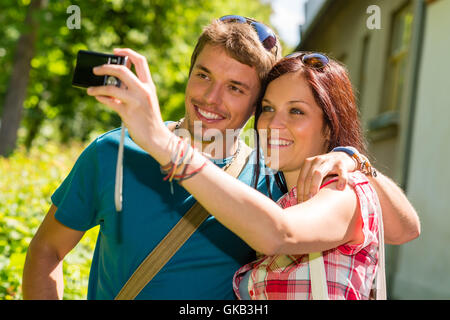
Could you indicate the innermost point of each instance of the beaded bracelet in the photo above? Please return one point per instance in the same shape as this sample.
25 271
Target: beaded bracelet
362 163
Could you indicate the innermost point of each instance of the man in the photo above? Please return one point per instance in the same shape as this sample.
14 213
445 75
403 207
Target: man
227 66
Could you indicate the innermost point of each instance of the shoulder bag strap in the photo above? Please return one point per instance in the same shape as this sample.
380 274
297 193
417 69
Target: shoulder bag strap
179 234
319 288
317 266
317 275
380 279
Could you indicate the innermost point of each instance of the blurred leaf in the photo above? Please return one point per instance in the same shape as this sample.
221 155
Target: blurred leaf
25 193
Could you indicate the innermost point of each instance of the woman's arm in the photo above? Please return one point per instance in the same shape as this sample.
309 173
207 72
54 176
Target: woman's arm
401 222
324 222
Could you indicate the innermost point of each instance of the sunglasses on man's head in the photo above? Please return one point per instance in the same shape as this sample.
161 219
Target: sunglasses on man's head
313 60
265 34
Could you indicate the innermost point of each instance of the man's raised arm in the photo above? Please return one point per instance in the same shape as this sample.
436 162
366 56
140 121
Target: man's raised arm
400 219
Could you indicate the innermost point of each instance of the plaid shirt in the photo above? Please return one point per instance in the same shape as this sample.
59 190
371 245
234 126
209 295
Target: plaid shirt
350 269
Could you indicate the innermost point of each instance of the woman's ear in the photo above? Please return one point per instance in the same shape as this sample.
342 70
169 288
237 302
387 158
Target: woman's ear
327 136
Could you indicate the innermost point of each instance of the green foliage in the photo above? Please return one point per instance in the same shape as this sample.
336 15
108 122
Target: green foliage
27 181
165 31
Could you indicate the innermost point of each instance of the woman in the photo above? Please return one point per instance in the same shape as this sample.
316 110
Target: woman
308 109
309 99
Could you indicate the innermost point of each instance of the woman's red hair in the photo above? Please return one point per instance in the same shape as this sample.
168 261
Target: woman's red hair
332 92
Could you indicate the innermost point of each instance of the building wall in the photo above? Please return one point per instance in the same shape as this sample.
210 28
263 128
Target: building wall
419 269
341 33
423 270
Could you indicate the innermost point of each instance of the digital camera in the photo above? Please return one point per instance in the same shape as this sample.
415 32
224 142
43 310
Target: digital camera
86 60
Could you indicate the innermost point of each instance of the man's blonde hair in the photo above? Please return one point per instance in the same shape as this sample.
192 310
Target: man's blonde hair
241 42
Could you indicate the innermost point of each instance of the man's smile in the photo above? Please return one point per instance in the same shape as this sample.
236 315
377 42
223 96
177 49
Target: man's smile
208 116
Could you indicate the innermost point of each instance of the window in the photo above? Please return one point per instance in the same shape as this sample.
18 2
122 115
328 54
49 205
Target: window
363 71
398 58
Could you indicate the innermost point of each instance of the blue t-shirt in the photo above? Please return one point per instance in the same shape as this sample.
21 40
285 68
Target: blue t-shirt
201 269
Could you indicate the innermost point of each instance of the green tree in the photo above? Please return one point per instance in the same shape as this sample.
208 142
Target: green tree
16 91
165 31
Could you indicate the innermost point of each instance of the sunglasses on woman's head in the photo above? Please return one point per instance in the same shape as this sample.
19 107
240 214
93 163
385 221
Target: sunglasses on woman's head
265 34
313 60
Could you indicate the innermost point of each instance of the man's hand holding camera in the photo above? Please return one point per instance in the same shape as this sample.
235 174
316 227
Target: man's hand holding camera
135 101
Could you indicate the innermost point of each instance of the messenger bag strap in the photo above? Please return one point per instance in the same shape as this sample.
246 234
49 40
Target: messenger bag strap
380 280
317 275
173 241
319 287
